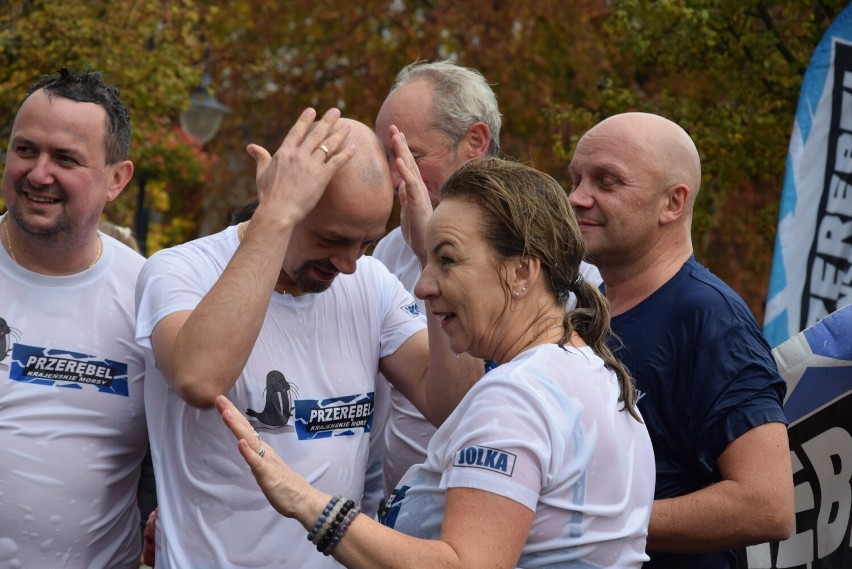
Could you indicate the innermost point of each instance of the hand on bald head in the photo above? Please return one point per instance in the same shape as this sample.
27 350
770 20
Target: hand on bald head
365 178
369 164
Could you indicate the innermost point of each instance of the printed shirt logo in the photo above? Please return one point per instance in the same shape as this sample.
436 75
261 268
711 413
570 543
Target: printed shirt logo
7 335
62 368
337 416
278 406
411 309
492 459
389 511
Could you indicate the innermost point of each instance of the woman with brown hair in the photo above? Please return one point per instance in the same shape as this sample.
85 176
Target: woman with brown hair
545 462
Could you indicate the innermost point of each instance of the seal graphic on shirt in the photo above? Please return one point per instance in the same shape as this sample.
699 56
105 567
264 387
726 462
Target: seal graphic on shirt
7 334
278 401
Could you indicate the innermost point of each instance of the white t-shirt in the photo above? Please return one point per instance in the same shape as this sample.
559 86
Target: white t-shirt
307 388
544 430
72 422
406 431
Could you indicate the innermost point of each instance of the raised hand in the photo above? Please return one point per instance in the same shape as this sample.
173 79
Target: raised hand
414 201
291 181
284 489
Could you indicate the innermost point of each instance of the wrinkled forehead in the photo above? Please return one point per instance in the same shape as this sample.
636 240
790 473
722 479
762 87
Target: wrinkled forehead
617 135
411 109
454 217
56 121
614 147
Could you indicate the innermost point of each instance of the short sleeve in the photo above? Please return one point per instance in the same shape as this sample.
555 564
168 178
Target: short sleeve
402 317
165 286
747 390
503 443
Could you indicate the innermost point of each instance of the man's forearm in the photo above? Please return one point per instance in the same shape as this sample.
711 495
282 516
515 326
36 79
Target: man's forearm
213 345
719 517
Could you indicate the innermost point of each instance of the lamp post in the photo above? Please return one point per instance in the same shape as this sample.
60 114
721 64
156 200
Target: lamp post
200 122
204 116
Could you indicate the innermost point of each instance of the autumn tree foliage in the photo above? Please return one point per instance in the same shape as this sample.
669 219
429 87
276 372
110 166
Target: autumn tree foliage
273 59
148 49
728 71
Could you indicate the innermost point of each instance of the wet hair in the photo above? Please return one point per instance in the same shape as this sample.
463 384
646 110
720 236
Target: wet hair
89 87
525 213
244 211
462 97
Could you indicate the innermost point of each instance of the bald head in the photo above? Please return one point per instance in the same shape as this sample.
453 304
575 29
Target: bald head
349 217
635 177
660 145
366 175
370 161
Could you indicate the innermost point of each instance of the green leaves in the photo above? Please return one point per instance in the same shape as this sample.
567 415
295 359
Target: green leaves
729 71
149 49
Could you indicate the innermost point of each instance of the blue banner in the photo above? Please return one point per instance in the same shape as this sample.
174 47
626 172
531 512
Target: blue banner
812 265
817 366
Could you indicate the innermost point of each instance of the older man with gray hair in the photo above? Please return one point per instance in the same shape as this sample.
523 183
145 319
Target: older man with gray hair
437 116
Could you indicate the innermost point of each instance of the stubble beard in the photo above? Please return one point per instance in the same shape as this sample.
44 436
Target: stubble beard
59 228
308 284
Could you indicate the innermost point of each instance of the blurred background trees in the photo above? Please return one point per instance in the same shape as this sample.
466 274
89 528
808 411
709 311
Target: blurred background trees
729 71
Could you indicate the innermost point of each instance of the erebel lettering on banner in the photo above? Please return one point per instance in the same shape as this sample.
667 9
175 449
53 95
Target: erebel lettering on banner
817 366
812 265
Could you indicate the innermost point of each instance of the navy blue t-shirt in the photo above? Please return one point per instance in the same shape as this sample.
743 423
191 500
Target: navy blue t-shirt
705 376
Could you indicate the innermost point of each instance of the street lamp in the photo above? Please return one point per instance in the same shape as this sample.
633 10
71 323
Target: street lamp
202 119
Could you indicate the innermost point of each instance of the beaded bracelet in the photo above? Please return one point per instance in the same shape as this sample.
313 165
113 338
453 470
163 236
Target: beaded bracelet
353 513
316 529
335 511
323 542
